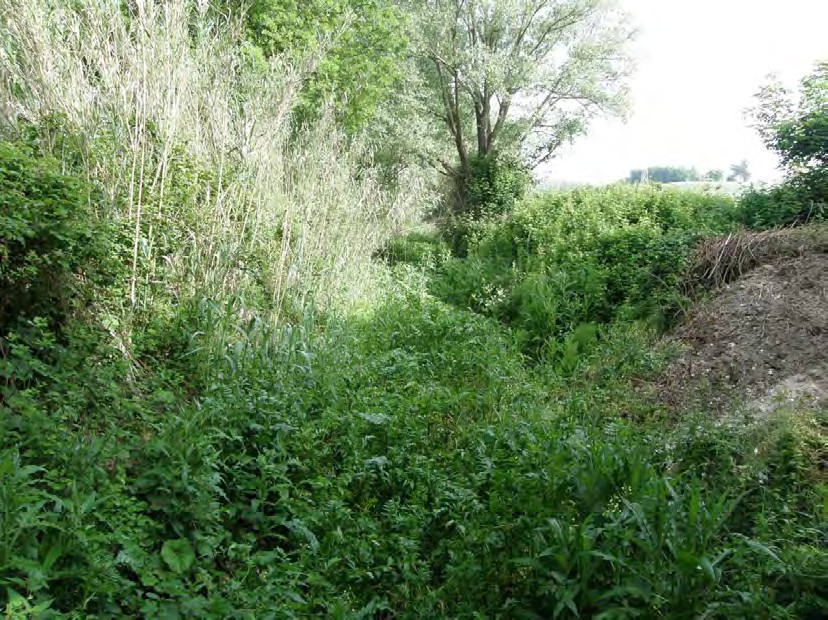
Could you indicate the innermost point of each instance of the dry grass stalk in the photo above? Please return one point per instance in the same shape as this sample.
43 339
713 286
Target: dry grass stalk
141 90
721 260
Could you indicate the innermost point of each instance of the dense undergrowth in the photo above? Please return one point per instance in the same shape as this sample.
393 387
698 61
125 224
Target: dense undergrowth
407 461
409 464
562 262
197 420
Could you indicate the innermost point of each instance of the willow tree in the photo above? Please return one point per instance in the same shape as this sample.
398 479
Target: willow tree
520 76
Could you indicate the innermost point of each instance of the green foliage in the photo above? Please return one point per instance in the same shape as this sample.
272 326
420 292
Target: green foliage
795 127
782 205
418 249
361 42
490 188
405 462
178 555
494 184
52 242
408 462
566 259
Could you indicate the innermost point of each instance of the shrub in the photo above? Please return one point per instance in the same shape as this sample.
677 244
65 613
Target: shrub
53 245
782 205
489 190
566 259
795 127
494 184
406 462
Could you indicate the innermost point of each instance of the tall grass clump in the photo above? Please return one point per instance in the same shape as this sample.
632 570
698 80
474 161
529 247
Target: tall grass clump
190 140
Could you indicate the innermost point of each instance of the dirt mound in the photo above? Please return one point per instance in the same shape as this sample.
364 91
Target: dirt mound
764 336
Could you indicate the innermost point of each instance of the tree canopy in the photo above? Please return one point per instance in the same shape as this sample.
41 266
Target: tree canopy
794 125
357 47
520 76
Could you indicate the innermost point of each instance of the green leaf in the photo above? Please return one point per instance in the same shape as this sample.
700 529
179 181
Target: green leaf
41 607
178 555
757 546
708 568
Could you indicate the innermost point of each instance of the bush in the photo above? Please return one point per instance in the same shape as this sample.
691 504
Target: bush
795 127
489 190
563 260
54 247
787 204
495 183
406 463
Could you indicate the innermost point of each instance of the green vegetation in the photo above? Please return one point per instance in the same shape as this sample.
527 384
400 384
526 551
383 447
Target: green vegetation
230 388
49 238
563 262
795 127
355 48
515 78
407 462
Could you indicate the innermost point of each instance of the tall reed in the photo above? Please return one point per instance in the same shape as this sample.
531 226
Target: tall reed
192 140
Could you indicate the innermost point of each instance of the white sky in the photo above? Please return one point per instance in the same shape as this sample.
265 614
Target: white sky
699 64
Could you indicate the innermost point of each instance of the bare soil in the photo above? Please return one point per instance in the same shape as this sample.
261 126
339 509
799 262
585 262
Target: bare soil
762 339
